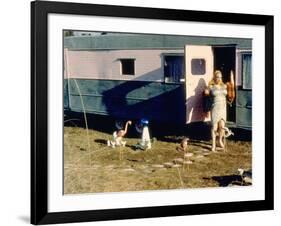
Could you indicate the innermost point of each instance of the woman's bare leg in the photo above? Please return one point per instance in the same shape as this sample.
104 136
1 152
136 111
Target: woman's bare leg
221 132
214 135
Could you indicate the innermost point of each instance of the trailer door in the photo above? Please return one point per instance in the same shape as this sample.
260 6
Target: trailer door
199 67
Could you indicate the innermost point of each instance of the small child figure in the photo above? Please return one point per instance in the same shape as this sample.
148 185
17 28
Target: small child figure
183 145
145 137
118 137
145 143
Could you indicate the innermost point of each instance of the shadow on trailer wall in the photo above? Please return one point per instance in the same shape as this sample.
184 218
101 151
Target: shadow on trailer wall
157 101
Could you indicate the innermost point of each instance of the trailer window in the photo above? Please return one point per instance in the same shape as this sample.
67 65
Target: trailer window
198 66
127 66
247 70
173 68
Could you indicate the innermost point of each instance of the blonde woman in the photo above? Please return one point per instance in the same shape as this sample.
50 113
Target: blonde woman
219 92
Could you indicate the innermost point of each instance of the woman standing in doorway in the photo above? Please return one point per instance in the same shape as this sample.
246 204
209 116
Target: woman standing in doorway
219 92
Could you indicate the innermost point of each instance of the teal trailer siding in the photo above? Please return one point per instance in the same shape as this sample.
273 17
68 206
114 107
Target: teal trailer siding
244 108
156 101
65 95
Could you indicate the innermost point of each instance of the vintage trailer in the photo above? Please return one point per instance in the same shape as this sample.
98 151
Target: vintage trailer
159 77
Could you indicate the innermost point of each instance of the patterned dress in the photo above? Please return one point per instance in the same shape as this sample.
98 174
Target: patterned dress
218 108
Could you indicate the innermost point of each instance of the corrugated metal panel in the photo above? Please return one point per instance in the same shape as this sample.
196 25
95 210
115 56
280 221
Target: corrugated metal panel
148 41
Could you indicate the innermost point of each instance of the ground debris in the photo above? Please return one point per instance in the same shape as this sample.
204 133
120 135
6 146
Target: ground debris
168 164
157 166
178 160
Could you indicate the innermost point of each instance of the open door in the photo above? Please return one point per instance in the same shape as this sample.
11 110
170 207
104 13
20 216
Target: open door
224 60
199 68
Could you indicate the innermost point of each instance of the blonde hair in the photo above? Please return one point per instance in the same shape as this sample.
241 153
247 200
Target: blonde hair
212 82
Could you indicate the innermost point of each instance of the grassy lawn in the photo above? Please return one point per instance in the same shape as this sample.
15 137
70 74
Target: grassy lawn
90 166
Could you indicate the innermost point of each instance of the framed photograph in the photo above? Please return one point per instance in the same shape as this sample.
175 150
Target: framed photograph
145 112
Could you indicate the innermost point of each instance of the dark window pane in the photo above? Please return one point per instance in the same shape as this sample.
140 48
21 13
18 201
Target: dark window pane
198 66
174 68
128 66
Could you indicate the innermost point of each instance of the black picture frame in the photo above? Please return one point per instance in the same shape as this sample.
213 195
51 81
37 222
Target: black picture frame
39 112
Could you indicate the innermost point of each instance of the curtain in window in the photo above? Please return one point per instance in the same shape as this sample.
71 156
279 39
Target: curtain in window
174 68
247 71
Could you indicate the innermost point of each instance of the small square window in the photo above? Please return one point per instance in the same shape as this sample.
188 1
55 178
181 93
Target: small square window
198 66
127 66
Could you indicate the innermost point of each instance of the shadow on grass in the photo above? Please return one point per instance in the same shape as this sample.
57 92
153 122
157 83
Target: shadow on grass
201 143
101 141
227 180
162 131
